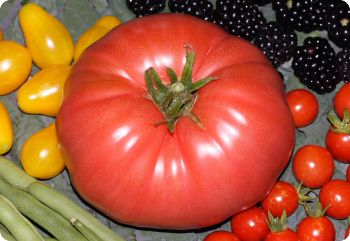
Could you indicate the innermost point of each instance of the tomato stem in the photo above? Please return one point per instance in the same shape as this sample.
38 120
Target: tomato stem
176 99
316 210
303 193
277 224
340 126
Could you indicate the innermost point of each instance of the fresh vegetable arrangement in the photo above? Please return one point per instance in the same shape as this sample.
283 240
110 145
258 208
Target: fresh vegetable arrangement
316 173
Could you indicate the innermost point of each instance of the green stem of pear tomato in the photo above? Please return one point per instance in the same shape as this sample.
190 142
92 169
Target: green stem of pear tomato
176 99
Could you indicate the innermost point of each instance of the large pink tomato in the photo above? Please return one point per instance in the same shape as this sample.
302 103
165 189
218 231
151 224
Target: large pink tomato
174 158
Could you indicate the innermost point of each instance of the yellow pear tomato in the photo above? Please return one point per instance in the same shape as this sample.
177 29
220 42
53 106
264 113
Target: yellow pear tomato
41 156
48 40
15 66
1 34
43 93
97 31
6 131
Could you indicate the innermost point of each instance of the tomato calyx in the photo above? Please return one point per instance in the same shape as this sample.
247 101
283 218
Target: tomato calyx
176 99
277 224
316 210
340 126
303 193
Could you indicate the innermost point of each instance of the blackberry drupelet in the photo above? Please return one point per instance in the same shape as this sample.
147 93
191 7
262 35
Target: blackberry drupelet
145 7
239 17
319 13
199 8
314 63
294 14
277 43
339 24
302 15
343 63
261 2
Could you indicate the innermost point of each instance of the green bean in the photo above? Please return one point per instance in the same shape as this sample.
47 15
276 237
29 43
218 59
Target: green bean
45 217
18 226
89 235
6 235
67 208
14 174
50 239
17 177
3 229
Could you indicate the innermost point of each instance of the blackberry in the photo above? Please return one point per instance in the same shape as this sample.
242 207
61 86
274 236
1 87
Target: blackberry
314 63
319 14
239 17
261 2
343 63
277 43
339 24
294 14
199 8
302 15
145 7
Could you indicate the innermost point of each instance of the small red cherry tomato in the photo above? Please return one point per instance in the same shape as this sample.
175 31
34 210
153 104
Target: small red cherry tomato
221 236
303 105
285 235
336 195
316 228
283 196
348 173
313 166
338 145
338 137
342 100
250 225
347 232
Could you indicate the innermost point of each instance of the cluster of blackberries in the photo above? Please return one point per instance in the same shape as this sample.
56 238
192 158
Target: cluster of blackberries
310 15
199 8
314 65
314 62
145 7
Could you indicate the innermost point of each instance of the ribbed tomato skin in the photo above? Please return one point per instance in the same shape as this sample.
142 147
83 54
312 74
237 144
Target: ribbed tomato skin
141 174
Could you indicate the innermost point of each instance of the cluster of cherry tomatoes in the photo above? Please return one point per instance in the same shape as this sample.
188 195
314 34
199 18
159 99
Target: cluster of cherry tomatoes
313 167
